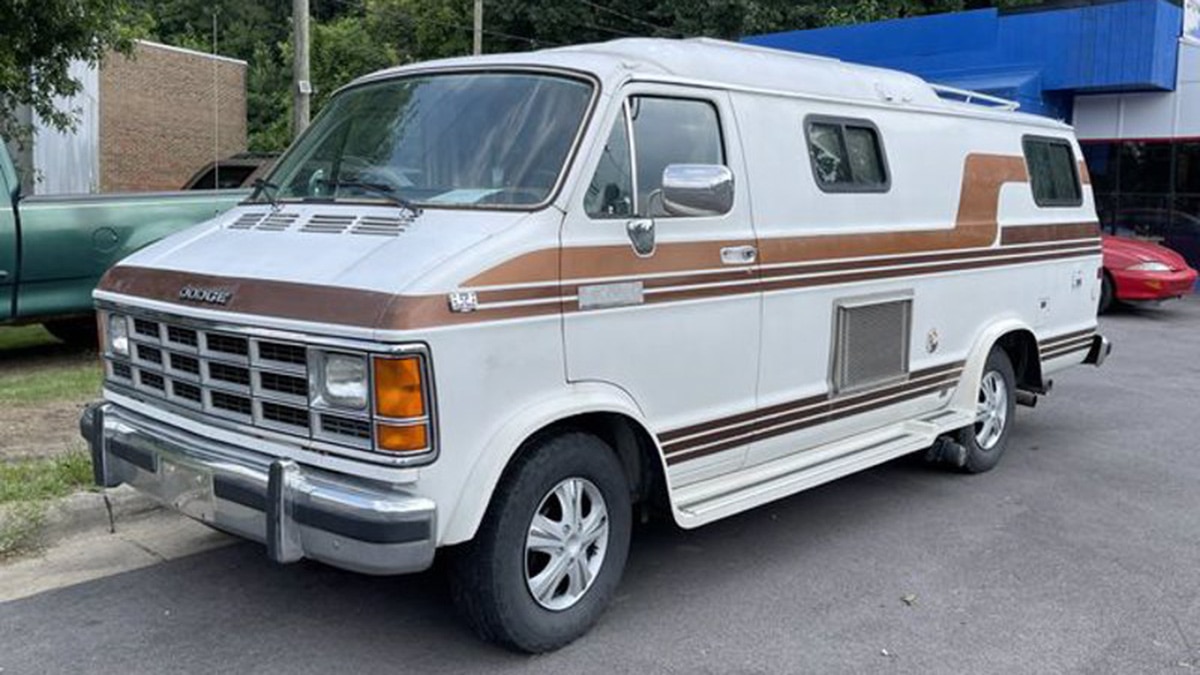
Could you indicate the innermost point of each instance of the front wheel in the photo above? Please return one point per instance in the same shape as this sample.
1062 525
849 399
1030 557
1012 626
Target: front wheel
551 549
986 440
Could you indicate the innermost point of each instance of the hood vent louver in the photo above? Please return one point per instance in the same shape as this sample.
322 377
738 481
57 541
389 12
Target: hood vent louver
321 223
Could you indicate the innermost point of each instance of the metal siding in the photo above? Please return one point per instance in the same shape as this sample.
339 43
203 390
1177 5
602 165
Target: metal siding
1118 46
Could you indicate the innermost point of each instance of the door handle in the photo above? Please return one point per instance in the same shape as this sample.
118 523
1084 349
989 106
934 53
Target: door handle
739 255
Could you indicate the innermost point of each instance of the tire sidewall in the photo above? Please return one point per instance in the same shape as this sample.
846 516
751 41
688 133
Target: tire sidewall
528 625
979 459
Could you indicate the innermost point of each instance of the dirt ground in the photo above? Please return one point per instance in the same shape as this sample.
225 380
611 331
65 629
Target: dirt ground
46 427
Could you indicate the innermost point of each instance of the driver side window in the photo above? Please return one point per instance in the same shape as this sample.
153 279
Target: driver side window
665 131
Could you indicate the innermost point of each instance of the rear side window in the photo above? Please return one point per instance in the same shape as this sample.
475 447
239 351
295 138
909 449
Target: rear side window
1052 172
847 155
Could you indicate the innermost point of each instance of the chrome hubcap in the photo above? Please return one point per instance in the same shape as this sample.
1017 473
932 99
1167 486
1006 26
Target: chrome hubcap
991 415
566 543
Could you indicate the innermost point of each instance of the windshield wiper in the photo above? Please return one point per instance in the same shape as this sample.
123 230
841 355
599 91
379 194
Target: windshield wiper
261 186
380 190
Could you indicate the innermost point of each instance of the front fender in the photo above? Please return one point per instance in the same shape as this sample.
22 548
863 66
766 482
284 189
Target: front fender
575 399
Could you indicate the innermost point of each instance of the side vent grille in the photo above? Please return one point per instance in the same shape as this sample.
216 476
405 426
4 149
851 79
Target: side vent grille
377 225
246 221
328 224
277 222
872 342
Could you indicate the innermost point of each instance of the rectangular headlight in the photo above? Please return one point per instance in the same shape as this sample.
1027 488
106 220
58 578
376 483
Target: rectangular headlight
116 335
341 380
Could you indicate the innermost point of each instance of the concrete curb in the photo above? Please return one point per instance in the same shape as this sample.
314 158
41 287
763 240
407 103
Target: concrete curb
93 513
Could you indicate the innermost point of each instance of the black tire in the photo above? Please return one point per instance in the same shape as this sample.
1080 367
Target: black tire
1106 294
984 453
80 332
489 574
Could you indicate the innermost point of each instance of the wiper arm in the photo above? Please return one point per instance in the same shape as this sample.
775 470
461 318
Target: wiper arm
261 186
378 189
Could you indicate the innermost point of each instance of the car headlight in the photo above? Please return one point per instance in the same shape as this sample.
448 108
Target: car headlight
1151 266
117 335
342 380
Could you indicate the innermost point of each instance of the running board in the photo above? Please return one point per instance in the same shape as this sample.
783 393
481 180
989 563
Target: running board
716 498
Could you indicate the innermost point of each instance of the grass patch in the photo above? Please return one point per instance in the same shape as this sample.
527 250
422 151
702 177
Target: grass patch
68 381
25 336
41 479
26 489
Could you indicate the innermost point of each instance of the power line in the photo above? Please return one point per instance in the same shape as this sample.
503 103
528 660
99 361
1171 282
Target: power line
634 19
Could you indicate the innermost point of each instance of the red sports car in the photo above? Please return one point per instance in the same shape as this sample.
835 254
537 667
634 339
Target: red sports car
1136 270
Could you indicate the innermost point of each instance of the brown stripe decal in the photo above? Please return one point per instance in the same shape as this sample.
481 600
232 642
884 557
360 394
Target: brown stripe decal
1028 234
734 431
1066 337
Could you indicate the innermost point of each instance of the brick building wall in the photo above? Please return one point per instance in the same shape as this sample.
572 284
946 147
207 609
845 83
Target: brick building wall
157 124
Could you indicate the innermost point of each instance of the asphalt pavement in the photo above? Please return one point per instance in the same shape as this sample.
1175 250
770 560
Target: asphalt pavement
1079 553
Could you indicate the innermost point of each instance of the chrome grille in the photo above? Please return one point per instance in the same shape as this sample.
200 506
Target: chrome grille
250 380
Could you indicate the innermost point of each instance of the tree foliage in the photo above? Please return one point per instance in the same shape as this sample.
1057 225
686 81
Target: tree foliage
353 37
43 38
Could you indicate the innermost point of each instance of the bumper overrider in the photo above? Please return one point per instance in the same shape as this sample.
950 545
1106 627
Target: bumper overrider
297 511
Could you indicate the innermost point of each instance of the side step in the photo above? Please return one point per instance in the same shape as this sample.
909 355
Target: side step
716 498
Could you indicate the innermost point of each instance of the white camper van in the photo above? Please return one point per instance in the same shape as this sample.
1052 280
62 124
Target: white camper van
496 305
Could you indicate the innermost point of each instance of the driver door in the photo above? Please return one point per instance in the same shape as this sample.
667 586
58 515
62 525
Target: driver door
676 324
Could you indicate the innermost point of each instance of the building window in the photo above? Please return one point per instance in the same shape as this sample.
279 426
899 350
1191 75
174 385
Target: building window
1053 172
846 155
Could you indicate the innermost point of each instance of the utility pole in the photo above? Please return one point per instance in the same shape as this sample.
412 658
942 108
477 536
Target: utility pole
302 86
478 28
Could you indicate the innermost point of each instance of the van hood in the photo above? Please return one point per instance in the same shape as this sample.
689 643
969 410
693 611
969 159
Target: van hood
331 245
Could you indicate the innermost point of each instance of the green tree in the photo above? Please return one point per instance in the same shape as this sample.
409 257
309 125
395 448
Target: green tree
42 40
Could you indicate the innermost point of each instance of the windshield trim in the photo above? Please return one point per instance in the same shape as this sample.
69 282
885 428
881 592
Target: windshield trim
370 80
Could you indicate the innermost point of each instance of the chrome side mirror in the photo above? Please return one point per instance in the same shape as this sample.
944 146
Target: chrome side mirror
697 190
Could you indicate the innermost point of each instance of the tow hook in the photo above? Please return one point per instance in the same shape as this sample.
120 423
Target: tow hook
946 450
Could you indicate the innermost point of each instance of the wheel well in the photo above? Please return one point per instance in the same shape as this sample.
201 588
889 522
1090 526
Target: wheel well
1022 349
632 443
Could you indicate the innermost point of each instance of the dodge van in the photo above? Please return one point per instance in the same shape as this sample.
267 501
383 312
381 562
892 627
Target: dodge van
500 306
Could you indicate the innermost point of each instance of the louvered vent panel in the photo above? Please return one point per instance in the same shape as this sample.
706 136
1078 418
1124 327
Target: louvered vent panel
246 221
278 222
379 225
324 223
872 343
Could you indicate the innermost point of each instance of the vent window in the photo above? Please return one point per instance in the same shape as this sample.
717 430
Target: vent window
1052 172
847 155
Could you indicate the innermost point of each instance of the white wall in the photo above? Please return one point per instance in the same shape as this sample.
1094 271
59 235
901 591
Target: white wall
1150 115
70 163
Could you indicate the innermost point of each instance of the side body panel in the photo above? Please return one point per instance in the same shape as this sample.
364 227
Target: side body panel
8 233
68 242
683 360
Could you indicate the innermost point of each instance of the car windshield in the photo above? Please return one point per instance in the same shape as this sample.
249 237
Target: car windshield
460 139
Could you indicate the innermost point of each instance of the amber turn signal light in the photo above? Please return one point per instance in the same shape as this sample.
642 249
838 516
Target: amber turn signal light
394 438
398 390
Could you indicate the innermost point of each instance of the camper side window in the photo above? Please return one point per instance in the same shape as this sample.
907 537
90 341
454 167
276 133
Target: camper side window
1052 172
665 131
846 155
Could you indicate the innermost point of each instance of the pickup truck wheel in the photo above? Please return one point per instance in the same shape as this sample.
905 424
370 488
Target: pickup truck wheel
986 440
551 549
81 332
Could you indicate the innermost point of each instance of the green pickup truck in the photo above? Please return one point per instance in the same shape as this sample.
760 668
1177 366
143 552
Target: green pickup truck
53 250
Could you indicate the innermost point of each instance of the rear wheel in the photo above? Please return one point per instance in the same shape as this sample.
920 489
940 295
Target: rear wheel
986 440
551 549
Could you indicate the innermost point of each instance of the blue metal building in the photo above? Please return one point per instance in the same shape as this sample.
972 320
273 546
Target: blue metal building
1126 73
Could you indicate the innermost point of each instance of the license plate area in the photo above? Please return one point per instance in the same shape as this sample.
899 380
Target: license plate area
188 489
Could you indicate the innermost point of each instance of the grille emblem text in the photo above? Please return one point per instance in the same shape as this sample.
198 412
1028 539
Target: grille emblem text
211 296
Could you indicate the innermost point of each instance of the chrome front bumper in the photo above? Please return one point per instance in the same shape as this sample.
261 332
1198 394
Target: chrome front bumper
297 511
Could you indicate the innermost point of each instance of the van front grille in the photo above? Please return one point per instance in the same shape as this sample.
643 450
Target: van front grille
248 380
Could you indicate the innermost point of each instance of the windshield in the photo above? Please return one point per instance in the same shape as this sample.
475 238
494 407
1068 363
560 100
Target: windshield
470 139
